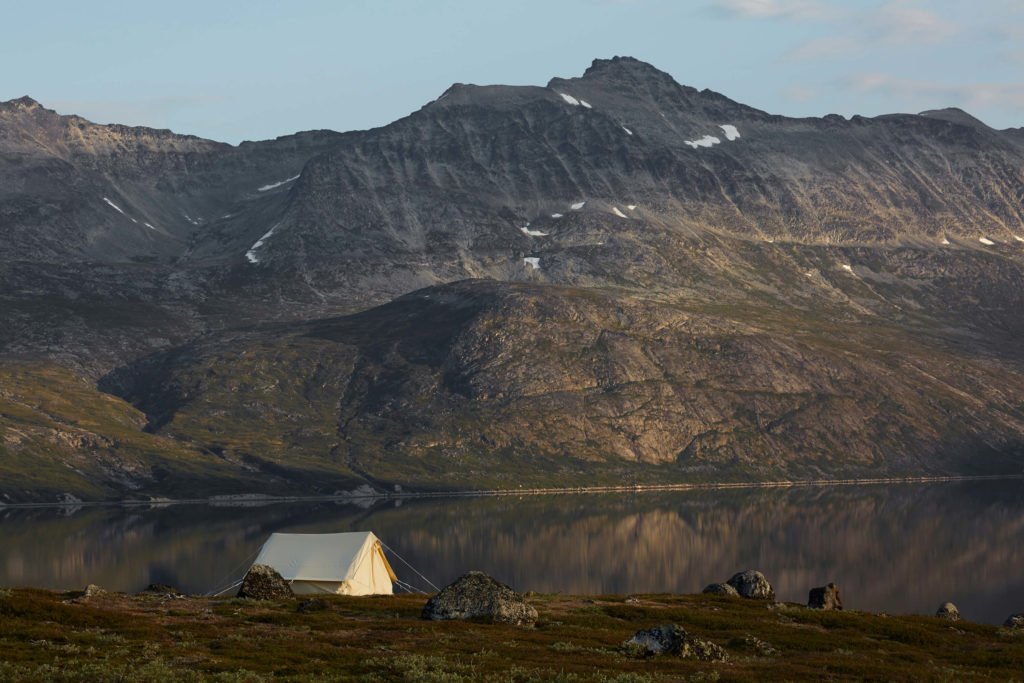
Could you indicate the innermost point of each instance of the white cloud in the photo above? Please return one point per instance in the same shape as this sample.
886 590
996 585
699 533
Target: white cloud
903 21
936 94
777 9
830 47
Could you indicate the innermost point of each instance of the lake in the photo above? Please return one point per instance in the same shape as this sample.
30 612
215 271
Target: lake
899 548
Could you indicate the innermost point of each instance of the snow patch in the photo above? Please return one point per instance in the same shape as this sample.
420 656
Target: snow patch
278 184
628 131
251 254
945 241
730 131
618 213
586 104
631 207
986 241
556 215
570 99
577 206
116 207
848 268
533 261
706 141
1018 238
533 233
149 226
193 221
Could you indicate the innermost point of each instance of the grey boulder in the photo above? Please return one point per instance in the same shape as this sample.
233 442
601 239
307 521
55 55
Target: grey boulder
825 597
476 595
673 640
948 610
1015 621
752 584
720 589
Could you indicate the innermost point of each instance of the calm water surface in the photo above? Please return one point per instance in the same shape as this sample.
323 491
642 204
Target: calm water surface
897 548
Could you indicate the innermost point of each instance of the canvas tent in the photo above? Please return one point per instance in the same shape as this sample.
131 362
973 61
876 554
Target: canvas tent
347 564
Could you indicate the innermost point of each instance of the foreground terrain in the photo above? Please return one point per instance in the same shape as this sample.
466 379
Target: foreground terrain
46 636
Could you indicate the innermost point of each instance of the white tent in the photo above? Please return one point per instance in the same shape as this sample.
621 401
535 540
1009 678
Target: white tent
346 564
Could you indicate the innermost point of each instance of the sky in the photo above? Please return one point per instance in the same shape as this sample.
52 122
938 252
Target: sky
253 70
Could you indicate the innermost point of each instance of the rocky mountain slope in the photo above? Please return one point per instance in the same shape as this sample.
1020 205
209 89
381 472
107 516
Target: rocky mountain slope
614 277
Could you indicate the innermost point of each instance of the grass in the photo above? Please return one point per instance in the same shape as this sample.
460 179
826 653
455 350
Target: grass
48 636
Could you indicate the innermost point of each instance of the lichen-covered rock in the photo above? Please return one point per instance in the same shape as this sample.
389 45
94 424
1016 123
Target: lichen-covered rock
477 595
720 589
752 584
1014 621
825 597
673 640
92 590
948 610
264 583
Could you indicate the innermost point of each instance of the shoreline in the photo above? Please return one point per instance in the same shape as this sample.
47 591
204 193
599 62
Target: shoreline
259 499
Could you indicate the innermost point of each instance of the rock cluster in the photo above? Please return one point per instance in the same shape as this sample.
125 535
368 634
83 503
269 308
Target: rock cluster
673 640
825 597
475 595
948 610
264 583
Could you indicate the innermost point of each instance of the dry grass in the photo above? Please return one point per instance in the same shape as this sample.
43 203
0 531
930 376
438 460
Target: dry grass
48 636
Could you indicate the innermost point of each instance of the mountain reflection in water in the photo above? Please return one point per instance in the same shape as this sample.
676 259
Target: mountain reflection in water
894 548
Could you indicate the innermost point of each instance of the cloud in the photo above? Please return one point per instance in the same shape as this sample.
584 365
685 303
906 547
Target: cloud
902 21
824 48
776 9
971 96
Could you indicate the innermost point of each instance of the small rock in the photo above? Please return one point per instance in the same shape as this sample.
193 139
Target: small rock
264 583
948 610
721 589
160 589
752 584
312 605
1015 621
825 597
92 590
757 645
631 600
673 640
477 595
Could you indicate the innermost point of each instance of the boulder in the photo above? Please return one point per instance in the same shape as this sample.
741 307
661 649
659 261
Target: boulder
752 584
673 640
476 595
264 583
92 590
825 597
948 610
720 589
1015 621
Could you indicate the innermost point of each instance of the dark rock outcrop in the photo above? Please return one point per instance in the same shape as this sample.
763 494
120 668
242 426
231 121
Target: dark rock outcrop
672 640
475 595
948 610
825 597
720 589
312 605
264 583
1015 621
752 584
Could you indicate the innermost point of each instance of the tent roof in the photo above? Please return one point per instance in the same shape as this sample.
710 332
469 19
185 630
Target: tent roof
320 557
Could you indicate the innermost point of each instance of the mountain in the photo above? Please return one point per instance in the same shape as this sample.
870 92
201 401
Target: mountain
611 278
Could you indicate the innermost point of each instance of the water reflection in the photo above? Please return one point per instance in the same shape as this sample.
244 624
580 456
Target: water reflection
894 548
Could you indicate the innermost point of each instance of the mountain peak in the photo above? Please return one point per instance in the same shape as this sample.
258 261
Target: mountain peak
25 102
